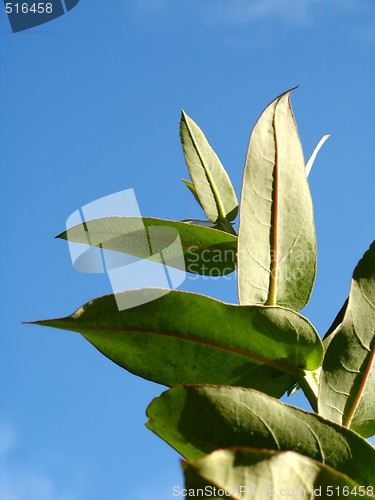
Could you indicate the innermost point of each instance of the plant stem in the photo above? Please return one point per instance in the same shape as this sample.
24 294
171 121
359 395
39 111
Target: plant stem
309 383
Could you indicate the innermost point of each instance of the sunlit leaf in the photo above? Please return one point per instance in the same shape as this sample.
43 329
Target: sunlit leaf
276 242
313 156
188 338
205 250
196 420
211 183
347 382
246 473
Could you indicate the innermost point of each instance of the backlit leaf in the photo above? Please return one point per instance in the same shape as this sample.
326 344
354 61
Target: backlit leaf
246 473
276 241
205 250
211 183
347 383
196 420
188 338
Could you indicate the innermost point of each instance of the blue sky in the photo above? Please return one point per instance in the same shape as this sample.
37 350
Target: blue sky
90 105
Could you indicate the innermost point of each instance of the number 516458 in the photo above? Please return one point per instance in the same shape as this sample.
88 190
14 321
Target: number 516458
24 8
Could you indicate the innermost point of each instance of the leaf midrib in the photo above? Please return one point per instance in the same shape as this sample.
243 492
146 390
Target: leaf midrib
257 357
357 399
220 208
272 294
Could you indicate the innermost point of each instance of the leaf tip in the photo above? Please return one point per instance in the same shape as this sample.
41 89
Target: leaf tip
288 92
38 322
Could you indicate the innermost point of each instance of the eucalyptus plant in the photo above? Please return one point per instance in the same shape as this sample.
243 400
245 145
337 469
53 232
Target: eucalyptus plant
227 365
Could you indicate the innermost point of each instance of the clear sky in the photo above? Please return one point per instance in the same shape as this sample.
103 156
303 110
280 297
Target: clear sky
90 105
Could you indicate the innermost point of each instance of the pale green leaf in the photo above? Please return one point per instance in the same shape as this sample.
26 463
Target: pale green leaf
347 383
247 473
276 242
211 183
313 156
205 250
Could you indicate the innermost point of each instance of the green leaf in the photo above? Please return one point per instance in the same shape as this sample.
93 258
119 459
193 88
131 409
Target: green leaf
196 420
312 158
245 473
276 242
347 381
211 182
205 250
188 338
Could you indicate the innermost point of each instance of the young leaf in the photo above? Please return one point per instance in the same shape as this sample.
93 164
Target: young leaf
244 473
211 183
204 223
312 158
334 328
191 188
347 381
196 420
276 242
205 250
188 338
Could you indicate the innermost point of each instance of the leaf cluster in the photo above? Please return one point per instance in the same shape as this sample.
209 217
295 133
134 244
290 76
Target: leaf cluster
226 365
